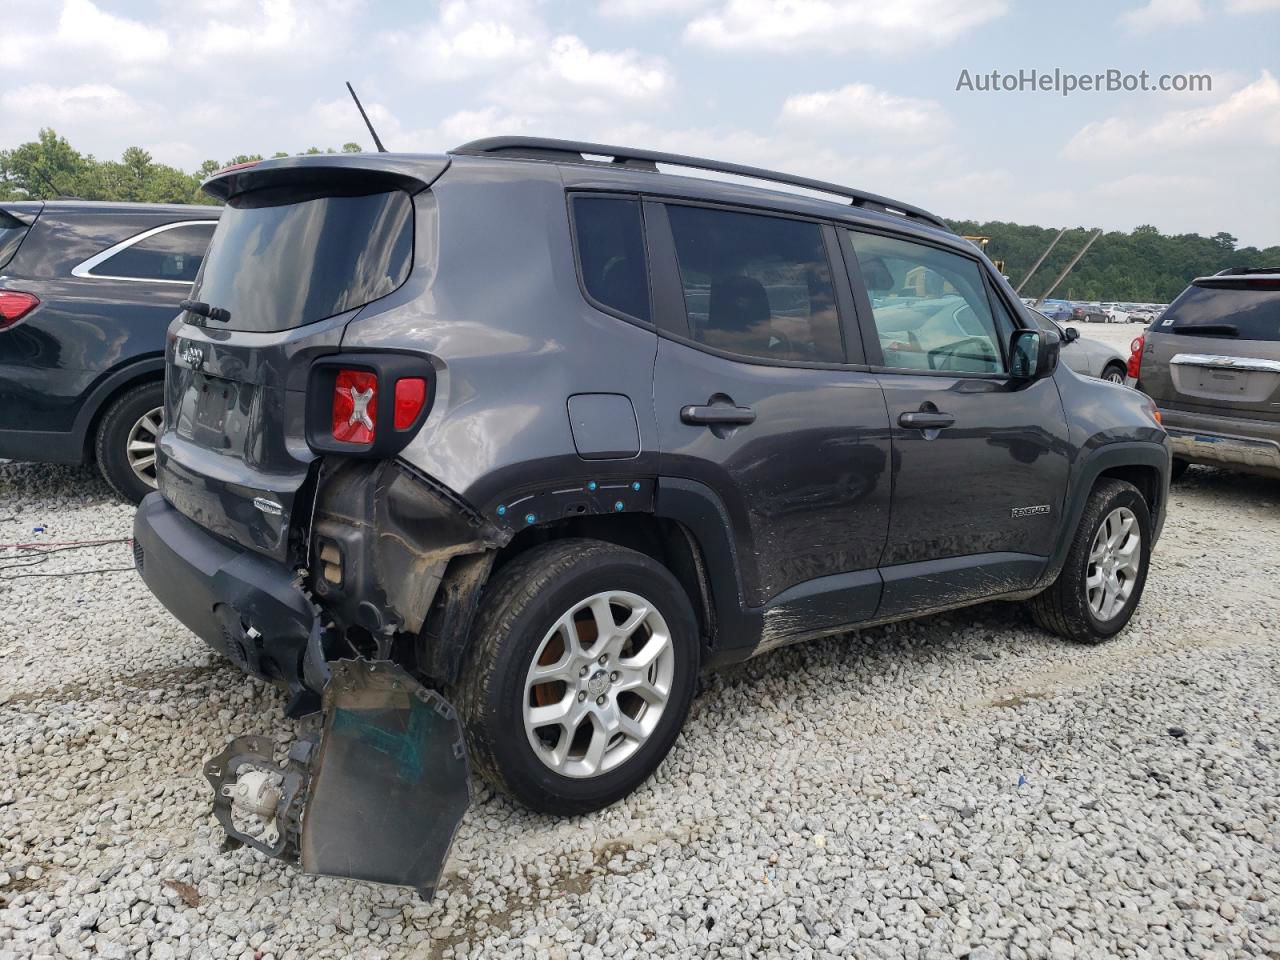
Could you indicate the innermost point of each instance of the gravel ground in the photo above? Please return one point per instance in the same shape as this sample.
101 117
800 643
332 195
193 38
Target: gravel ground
961 785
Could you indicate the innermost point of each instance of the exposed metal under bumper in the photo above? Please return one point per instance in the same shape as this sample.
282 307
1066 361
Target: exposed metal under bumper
1201 447
375 794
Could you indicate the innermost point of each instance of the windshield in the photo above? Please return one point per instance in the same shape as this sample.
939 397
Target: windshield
1248 313
280 259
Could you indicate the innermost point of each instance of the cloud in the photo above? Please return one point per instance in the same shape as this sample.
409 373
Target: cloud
82 25
1252 6
1163 13
793 25
636 9
1248 117
860 106
469 38
86 101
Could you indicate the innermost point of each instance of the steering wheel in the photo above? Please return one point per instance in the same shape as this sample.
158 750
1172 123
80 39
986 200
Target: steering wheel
945 357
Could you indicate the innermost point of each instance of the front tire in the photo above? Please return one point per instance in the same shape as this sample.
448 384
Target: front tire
583 664
1105 571
125 446
1113 373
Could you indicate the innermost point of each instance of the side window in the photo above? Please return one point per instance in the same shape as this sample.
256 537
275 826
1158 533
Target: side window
611 253
172 254
756 285
930 306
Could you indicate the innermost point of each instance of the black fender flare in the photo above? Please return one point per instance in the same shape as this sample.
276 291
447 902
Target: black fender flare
1085 474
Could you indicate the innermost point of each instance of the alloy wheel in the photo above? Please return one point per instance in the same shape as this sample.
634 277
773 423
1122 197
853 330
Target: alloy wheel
598 685
1114 562
140 446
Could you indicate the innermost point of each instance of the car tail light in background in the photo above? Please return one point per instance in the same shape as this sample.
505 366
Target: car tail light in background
367 404
355 406
1135 357
14 306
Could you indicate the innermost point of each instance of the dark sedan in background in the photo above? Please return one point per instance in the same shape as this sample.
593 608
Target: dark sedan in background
87 291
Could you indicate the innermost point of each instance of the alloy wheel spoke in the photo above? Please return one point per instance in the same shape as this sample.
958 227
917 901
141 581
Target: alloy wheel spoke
594 756
553 714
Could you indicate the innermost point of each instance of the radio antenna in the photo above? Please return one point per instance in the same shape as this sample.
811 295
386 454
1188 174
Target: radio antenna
373 133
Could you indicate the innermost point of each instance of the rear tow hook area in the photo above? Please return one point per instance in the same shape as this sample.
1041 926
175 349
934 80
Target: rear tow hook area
374 790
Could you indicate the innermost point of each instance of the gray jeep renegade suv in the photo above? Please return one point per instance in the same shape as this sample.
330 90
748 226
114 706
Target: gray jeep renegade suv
483 457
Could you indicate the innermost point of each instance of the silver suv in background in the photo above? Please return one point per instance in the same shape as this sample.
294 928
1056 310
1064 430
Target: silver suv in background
1211 362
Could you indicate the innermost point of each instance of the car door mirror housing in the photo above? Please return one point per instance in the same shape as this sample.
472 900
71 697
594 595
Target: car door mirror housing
1072 335
1033 354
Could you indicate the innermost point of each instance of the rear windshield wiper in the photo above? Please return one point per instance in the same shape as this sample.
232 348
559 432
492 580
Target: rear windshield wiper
199 307
1209 329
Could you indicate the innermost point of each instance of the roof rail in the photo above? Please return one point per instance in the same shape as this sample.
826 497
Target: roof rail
1245 271
572 151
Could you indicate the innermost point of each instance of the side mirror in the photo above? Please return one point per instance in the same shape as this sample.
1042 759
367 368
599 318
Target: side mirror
1072 334
1033 354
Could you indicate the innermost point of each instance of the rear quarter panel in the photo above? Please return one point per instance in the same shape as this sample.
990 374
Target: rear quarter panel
511 337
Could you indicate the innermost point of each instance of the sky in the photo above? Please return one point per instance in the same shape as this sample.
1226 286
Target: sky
863 92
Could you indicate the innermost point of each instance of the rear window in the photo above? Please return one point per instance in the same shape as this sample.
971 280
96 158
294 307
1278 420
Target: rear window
172 253
1246 313
281 259
611 253
12 230
756 285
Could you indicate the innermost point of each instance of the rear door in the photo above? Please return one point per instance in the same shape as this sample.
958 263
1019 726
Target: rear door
292 266
980 461
1216 350
761 395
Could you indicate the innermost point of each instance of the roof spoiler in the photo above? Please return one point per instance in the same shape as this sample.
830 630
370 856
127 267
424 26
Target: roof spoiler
572 151
411 172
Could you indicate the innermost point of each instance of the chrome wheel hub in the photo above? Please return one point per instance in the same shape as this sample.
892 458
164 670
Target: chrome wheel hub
140 448
598 685
1114 561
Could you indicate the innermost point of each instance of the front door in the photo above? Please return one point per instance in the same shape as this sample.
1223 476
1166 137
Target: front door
757 400
980 461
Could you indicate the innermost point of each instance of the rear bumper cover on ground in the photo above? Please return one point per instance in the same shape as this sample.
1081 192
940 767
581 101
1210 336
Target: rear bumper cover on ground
246 606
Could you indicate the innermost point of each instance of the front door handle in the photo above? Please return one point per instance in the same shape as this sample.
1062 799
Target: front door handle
926 420
719 415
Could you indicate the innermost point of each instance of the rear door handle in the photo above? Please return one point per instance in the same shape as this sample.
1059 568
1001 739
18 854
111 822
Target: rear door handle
717 416
924 420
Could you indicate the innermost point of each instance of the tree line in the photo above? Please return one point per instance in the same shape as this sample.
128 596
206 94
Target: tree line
1143 266
49 167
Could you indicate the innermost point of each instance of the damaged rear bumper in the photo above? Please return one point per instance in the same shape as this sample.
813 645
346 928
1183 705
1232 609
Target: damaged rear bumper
246 606
377 787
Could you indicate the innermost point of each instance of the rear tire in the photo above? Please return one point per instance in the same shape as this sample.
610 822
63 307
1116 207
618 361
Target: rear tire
1078 605
612 701
1113 373
130 426
1178 469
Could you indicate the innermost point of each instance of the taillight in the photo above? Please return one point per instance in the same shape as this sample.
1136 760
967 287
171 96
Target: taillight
411 395
1135 357
355 407
14 306
367 404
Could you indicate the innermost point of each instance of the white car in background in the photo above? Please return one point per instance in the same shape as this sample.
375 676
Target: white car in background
1115 313
1084 355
